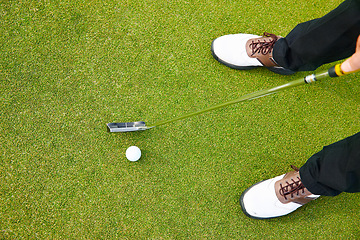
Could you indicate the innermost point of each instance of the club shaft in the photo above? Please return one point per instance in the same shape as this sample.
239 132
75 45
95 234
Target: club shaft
334 71
254 95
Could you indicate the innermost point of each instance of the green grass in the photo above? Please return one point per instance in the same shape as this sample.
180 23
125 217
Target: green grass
69 67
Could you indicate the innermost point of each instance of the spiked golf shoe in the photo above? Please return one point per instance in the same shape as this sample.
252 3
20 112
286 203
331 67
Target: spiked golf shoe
247 51
275 197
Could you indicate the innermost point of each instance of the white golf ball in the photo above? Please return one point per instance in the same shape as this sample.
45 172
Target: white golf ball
133 153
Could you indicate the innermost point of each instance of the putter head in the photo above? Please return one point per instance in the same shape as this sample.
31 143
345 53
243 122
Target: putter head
126 127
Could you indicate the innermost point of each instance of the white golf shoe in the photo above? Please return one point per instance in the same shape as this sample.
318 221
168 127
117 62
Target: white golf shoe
275 197
247 51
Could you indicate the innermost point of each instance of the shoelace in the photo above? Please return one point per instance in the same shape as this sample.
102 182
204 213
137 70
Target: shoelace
292 188
264 47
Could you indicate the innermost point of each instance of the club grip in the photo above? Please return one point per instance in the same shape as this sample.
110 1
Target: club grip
336 71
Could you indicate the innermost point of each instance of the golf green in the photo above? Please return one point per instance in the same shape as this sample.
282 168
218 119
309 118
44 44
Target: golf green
69 67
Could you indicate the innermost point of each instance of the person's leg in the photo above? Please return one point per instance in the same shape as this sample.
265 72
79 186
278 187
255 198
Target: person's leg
335 169
320 41
306 47
329 172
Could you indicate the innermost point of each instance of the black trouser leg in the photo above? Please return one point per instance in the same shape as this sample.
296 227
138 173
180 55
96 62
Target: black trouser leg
335 169
327 39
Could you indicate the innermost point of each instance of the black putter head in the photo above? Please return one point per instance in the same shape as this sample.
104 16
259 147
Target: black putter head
126 127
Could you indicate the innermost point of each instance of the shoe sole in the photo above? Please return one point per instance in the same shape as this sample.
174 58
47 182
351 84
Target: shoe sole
278 70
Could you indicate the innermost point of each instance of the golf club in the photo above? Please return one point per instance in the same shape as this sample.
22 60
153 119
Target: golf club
334 71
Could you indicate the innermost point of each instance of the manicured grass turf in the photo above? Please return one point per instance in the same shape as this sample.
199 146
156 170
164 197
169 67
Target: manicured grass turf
69 67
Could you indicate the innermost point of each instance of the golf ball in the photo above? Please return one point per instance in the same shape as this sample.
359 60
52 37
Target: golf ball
133 153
